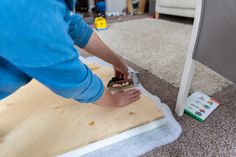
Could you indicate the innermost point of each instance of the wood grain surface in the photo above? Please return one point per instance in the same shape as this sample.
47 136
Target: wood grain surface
36 122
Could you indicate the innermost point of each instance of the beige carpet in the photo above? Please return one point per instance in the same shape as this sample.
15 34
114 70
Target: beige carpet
160 47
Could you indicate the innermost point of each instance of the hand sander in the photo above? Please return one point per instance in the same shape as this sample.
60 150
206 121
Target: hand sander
116 83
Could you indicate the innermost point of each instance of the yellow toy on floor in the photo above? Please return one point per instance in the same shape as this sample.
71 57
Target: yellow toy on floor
100 23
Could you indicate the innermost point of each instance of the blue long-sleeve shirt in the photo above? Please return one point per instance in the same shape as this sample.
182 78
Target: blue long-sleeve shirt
37 38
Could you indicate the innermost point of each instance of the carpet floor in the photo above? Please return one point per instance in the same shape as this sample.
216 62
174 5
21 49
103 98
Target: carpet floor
216 137
160 46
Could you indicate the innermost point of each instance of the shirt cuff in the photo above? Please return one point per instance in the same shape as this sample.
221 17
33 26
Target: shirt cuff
91 89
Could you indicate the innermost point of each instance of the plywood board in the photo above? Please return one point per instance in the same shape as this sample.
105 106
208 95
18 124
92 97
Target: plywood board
36 122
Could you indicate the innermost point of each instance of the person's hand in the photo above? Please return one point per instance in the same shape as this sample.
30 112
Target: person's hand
121 71
125 98
118 99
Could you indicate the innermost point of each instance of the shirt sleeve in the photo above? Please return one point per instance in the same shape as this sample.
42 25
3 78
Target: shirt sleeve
70 79
79 30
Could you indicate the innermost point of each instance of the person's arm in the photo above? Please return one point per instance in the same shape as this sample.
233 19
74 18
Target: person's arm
73 79
84 37
118 99
98 48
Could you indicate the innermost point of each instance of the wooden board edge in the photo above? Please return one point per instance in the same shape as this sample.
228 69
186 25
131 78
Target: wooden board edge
121 131
114 139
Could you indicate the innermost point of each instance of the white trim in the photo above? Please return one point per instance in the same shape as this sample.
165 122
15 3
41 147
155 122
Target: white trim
114 139
186 12
190 63
172 10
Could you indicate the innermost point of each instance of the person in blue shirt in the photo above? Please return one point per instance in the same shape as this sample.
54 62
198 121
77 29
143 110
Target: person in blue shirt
37 41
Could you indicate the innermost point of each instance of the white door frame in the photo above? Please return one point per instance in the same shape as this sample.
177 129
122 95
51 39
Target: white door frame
190 64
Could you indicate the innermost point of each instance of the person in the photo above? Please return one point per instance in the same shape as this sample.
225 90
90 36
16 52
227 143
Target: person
37 40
